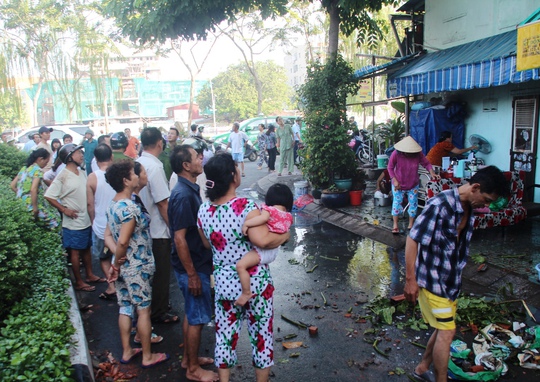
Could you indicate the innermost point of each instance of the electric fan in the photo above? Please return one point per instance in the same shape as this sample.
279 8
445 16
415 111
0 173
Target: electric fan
483 145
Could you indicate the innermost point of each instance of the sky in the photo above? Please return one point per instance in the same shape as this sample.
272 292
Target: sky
223 54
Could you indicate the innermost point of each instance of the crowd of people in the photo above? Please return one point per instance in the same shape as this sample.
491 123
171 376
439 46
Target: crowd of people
121 207
142 224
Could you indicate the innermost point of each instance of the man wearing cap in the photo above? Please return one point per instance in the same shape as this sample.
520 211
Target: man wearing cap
44 136
191 261
403 169
297 137
70 187
89 145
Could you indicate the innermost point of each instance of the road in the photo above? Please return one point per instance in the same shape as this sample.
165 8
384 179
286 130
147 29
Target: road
321 263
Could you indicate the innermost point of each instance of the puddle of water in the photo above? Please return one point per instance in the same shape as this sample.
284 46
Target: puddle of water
343 259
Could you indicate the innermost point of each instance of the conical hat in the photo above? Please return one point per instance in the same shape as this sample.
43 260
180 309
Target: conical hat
408 145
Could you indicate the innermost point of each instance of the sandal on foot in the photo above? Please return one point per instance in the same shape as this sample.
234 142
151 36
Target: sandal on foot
424 377
166 319
98 280
395 231
163 357
154 339
108 296
136 352
86 288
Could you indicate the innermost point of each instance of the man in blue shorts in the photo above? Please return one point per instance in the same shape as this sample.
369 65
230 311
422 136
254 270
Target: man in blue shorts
436 252
69 187
237 142
192 263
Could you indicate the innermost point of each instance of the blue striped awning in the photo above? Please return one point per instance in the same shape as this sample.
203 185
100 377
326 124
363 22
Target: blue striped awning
478 64
375 70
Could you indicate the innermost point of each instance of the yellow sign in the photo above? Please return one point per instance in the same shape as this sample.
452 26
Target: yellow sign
528 46
365 94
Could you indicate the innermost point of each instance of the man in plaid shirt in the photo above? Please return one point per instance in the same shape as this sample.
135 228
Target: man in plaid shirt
436 252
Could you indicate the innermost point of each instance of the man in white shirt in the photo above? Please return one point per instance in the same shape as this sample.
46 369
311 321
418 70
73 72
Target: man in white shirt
99 195
237 142
155 197
70 187
297 137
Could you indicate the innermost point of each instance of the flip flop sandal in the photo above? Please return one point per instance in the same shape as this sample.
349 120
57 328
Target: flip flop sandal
395 231
108 296
136 352
87 288
163 357
155 339
99 280
424 377
167 319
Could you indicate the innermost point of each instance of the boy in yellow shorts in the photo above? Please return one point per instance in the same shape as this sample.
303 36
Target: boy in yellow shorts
436 253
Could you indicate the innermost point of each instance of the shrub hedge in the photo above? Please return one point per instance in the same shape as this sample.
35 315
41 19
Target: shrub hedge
36 332
11 160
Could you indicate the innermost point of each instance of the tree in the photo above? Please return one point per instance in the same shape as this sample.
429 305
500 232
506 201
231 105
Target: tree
146 21
252 37
236 95
193 65
324 96
48 40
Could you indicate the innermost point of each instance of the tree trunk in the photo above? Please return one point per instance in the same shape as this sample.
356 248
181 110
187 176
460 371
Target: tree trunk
36 99
258 86
191 98
333 31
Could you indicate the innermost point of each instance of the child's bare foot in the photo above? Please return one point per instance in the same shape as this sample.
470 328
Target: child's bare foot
244 297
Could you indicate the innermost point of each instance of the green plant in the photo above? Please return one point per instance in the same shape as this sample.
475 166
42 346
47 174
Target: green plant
391 131
35 335
11 160
323 98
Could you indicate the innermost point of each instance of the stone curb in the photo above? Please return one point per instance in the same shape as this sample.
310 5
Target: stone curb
81 360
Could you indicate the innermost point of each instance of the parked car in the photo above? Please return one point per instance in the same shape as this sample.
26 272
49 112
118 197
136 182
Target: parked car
250 127
76 131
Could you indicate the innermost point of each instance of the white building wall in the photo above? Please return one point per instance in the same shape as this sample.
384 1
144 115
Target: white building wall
296 66
496 126
450 23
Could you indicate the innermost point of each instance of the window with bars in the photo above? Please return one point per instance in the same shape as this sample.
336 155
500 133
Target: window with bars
525 117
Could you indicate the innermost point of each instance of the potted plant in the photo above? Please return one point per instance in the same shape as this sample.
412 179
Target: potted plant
333 197
323 99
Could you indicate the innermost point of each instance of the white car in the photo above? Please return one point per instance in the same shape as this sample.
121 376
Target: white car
76 131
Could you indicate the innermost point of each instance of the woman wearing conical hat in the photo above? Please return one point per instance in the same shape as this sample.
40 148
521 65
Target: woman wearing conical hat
403 169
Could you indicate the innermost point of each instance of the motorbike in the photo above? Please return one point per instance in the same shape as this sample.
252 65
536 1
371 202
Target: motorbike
361 145
250 152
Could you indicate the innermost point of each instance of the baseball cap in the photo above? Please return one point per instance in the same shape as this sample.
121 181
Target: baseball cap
45 129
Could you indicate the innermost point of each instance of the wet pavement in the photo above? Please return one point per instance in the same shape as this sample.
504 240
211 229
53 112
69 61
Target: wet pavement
336 263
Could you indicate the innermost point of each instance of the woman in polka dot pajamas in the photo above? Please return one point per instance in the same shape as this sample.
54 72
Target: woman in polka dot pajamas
220 223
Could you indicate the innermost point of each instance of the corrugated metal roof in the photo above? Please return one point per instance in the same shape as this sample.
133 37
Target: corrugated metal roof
478 64
498 46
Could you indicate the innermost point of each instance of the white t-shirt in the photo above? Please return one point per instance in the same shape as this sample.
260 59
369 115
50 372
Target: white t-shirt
296 131
46 146
238 141
70 188
102 198
154 192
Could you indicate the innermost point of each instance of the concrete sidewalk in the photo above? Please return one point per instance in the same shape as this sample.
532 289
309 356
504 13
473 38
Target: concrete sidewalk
511 252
